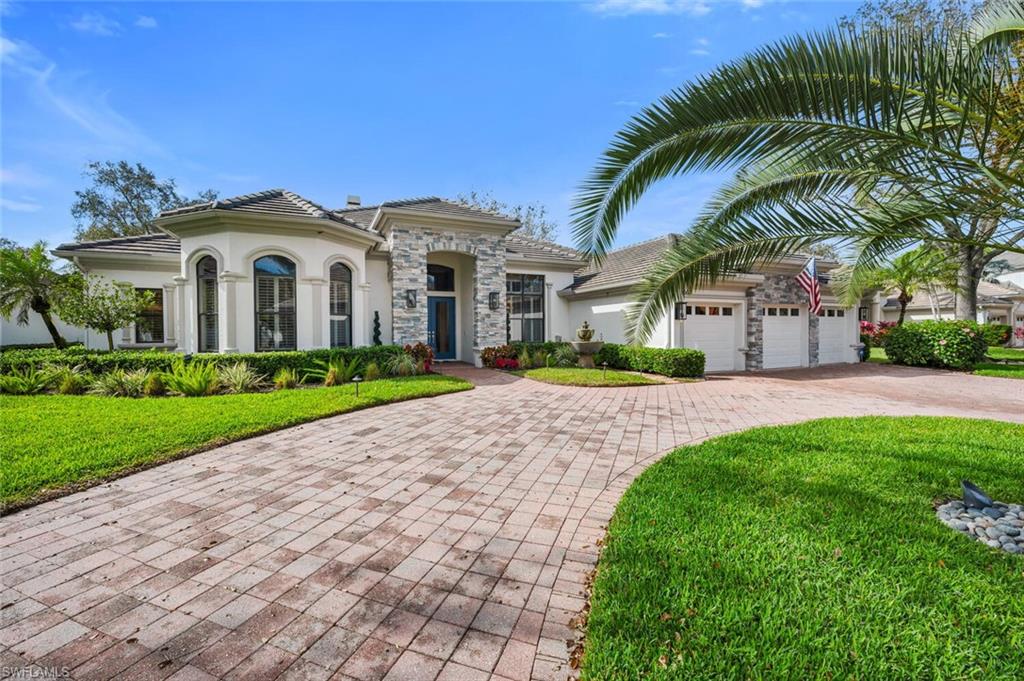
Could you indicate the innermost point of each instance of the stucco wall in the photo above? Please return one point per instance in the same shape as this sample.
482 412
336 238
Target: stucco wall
156 276
35 332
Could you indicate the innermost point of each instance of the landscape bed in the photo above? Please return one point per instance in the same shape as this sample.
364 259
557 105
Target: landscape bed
62 442
812 551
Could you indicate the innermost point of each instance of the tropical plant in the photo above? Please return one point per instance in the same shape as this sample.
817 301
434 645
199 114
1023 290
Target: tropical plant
103 305
872 140
333 371
540 358
70 379
120 383
401 365
422 354
565 356
371 372
155 386
195 379
286 379
525 359
240 378
27 381
29 283
906 274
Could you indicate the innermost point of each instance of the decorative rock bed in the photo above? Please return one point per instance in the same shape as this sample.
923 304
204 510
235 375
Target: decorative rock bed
1000 525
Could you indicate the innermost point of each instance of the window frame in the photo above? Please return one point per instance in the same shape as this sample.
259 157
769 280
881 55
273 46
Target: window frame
522 296
155 312
331 315
277 314
200 314
449 272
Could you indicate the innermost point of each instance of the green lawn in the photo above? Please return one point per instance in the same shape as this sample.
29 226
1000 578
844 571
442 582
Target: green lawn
878 356
812 551
1000 370
55 441
998 352
592 378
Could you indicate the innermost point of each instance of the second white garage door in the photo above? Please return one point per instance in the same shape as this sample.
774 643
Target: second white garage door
833 341
783 337
712 330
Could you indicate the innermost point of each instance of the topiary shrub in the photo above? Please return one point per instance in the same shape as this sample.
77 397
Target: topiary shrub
952 344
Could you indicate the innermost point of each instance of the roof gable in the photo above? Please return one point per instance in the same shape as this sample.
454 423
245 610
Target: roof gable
280 202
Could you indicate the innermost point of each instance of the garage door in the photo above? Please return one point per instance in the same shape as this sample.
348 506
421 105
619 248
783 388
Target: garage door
712 330
783 337
833 341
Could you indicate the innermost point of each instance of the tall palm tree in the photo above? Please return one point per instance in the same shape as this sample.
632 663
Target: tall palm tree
906 274
29 282
875 140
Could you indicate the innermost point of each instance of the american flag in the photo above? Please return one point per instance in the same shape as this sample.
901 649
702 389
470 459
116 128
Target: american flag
808 280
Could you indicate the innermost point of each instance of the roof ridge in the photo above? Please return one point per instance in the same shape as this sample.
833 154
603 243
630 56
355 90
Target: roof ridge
130 237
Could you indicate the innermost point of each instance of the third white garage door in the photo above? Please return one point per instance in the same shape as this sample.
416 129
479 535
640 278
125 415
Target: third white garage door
833 340
783 329
712 329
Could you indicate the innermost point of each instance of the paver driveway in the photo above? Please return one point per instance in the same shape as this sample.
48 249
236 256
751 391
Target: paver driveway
442 538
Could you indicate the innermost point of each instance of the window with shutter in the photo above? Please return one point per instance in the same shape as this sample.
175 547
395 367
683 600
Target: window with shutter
341 306
275 303
149 327
206 284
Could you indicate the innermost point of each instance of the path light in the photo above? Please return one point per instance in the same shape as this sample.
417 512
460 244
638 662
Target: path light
357 380
604 370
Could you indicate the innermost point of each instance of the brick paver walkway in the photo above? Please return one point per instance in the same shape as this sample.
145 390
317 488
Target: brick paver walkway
439 539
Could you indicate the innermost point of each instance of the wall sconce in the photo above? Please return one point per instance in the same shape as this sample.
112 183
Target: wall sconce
680 311
493 299
410 297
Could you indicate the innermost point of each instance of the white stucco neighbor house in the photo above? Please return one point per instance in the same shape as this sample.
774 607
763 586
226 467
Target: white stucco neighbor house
275 271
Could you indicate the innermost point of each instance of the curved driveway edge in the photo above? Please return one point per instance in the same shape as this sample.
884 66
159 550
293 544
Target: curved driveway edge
444 538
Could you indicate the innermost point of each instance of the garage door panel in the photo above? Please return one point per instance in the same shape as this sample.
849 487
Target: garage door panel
712 330
783 337
833 344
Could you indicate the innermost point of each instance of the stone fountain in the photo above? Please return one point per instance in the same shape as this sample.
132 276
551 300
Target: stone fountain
585 346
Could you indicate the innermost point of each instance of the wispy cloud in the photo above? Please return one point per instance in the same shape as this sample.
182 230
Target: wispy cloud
621 8
752 4
627 102
24 206
701 49
74 98
21 175
96 24
661 36
146 22
700 52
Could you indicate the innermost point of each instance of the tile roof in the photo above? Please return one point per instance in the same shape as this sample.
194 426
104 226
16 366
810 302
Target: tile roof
430 204
989 293
1015 260
145 244
527 247
272 201
623 266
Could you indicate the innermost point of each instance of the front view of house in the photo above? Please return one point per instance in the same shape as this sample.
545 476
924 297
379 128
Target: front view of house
274 271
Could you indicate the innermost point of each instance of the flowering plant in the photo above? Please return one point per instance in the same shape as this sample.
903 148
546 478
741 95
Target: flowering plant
509 364
422 353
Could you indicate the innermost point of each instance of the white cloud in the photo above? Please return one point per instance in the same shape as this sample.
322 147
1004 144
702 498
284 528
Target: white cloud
19 206
661 35
704 42
96 24
699 52
76 99
621 8
752 4
627 102
146 22
22 176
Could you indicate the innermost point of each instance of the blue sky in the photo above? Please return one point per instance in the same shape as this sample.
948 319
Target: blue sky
381 100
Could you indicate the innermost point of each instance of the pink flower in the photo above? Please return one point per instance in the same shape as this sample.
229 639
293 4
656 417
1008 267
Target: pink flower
942 342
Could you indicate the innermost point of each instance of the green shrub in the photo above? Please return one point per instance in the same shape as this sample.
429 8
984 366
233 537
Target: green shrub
286 378
524 359
70 380
673 362
155 385
239 378
401 364
952 344
996 334
490 356
26 381
120 383
333 371
268 363
372 372
194 379
564 356
540 358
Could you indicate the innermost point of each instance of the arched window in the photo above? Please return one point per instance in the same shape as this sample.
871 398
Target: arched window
275 303
341 306
206 283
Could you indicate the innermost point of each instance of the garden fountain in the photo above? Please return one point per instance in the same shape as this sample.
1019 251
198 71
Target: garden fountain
585 346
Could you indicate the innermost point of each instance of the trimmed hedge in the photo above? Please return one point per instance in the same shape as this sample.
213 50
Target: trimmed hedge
268 363
954 344
673 362
996 334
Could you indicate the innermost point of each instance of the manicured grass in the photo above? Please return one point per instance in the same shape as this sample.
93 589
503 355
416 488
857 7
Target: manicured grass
54 441
878 356
999 352
592 378
812 551
1000 370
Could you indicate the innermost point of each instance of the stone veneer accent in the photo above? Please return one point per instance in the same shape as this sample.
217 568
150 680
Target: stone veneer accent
410 245
778 289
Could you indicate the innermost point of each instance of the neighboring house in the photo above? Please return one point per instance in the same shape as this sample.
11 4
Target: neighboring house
274 271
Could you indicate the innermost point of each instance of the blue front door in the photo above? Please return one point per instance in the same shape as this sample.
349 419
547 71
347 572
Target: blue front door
441 326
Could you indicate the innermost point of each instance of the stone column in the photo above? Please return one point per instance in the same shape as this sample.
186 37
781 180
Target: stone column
488 276
408 273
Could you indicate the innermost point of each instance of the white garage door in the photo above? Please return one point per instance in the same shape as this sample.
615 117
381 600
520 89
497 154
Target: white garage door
833 342
712 330
784 344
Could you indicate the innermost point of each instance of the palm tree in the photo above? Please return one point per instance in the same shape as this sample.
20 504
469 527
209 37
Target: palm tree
875 140
28 282
906 274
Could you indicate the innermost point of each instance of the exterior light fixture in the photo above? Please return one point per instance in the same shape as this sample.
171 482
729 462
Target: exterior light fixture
680 311
604 370
493 299
410 297
357 380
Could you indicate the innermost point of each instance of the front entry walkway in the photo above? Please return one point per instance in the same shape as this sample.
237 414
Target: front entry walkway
446 538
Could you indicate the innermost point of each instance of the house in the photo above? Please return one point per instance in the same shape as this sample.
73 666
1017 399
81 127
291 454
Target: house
275 271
